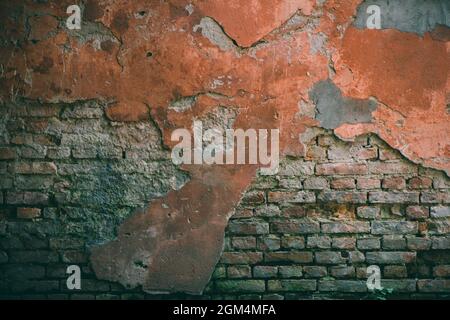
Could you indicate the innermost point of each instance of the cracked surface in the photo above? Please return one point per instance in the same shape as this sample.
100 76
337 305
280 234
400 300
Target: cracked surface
264 60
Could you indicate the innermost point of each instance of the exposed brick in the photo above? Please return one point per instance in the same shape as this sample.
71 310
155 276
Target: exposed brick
265 272
415 243
316 183
365 153
368 244
243 242
393 197
315 271
435 197
74 256
84 153
66 243
368 183
343 272
293 242
395 183
7 153
442 271
417 212
240 286
344 243
291 285
290 271
329 257
351 286
289 256
219 273
315 153
319 242
270 243
289 183
394 242
346 227
390 257
341 169
254 197
368 212
420 183
33 152
440 243
295 226
399 286
394 227
339 152
249 227
43 111
35 168
239 272
267 211
28 213
36 256
343 183
343 196
391 168
241 257
439 226
395 272
296 168
440 212
433 285
294 212
389 154
292 197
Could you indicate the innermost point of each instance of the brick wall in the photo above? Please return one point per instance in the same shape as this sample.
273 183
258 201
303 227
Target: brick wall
69 176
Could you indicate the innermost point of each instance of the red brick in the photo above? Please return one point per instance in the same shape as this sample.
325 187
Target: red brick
417 212
256 197
343 183
420 183
368 183
396 183
391 168
389 154
28 213
294 212
366 153
36 168
341 168
7 153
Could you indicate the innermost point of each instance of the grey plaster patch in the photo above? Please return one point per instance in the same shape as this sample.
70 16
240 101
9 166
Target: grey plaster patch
333 110
416 16
213 31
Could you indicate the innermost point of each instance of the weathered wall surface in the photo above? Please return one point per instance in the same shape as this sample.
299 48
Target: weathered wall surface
86 174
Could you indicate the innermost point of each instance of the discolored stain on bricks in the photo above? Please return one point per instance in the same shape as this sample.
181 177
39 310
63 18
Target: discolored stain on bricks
333 110
107 46
441 33
45 65
93 10
120 22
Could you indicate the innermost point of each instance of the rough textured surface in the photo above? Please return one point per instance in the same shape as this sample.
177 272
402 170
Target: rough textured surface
151 67
407 15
